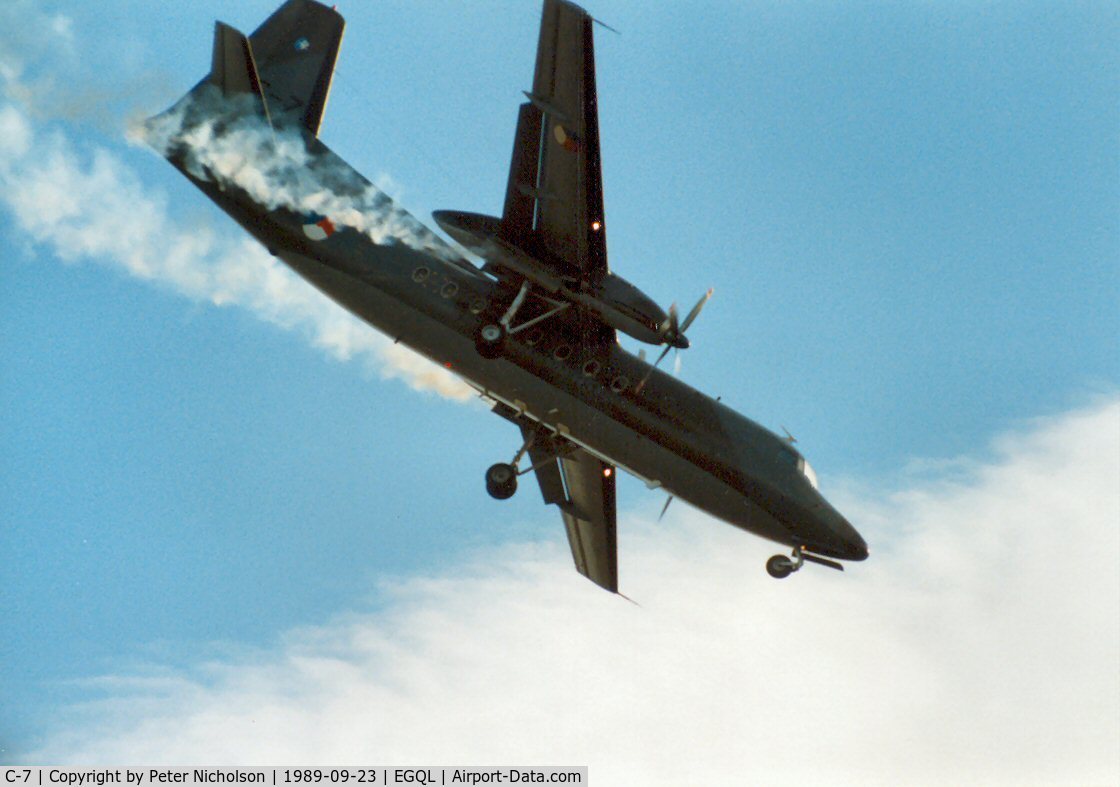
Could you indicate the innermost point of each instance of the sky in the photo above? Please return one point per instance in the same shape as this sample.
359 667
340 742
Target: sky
238 526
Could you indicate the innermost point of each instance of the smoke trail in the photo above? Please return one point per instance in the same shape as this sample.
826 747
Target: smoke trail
92 206
227 140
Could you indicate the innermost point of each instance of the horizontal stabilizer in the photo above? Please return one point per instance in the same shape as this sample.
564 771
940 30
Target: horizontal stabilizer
233 68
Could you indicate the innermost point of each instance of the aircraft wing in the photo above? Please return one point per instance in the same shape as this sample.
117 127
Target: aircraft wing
584 489
295 51
554 196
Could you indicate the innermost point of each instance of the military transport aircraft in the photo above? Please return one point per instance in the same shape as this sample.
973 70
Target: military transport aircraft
532 326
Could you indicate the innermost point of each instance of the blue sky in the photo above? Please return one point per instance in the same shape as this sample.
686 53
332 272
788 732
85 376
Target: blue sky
910 215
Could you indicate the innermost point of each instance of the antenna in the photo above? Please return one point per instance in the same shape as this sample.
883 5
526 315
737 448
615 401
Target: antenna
604 24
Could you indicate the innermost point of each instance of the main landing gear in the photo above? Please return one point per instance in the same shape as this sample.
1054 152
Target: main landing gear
489 340
491 336
781 566
501 479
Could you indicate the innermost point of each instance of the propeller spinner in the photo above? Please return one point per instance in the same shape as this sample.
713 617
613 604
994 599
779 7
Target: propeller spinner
672 333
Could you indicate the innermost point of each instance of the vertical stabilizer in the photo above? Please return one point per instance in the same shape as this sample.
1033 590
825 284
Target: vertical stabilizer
295 50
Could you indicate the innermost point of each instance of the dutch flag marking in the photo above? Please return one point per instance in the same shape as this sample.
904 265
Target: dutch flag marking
318 227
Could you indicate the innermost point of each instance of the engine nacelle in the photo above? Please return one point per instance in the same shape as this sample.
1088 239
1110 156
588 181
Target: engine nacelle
630 310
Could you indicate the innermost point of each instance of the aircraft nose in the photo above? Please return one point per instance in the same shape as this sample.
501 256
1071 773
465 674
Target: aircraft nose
846 539
858 548
854 544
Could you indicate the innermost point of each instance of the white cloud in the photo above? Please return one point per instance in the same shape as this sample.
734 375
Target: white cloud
980 644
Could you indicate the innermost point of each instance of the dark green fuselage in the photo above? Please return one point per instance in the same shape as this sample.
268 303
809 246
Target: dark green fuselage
668 434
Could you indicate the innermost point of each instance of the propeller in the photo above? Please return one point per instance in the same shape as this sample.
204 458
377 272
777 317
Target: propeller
665 508
672 330
672 334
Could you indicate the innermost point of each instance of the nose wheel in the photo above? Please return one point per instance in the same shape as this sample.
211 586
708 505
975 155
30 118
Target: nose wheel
781 566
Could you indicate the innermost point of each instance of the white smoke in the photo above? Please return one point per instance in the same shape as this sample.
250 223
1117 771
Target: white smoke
226 140
90 205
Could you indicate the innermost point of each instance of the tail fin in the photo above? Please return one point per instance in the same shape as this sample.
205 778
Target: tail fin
295 51
282 72
287 64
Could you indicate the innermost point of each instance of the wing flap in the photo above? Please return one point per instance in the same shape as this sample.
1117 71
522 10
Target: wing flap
517 216
545 465
584 489
590 518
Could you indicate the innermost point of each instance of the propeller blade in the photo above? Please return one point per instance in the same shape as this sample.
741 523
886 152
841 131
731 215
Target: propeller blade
641 353
677 363
665 508
692 315
638 388
674 320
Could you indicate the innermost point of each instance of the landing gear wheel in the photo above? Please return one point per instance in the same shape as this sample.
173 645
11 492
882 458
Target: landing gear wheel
489 340
779 567
501 481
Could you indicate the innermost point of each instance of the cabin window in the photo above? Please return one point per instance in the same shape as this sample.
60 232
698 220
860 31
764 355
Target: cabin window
591 368
421 274
450 290
620 383
534 337
562 352
478 306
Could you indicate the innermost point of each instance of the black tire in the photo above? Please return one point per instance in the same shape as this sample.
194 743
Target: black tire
501 481
779 567
490 339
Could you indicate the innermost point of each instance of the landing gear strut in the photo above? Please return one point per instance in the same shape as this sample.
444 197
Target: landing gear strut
781 566
491 337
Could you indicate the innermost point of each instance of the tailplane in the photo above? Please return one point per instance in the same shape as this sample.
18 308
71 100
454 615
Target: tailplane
233 69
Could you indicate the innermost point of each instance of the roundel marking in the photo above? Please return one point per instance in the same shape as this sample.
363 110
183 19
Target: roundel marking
318 227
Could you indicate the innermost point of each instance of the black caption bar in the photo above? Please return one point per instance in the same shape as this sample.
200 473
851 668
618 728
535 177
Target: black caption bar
47 776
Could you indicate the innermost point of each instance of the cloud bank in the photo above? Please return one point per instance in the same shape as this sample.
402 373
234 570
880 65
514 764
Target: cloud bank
88 204
980 644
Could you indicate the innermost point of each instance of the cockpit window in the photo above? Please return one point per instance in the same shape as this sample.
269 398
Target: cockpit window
807 470
803 466
789 456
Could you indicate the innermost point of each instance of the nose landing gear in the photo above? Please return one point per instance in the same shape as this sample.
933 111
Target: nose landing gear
781 566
